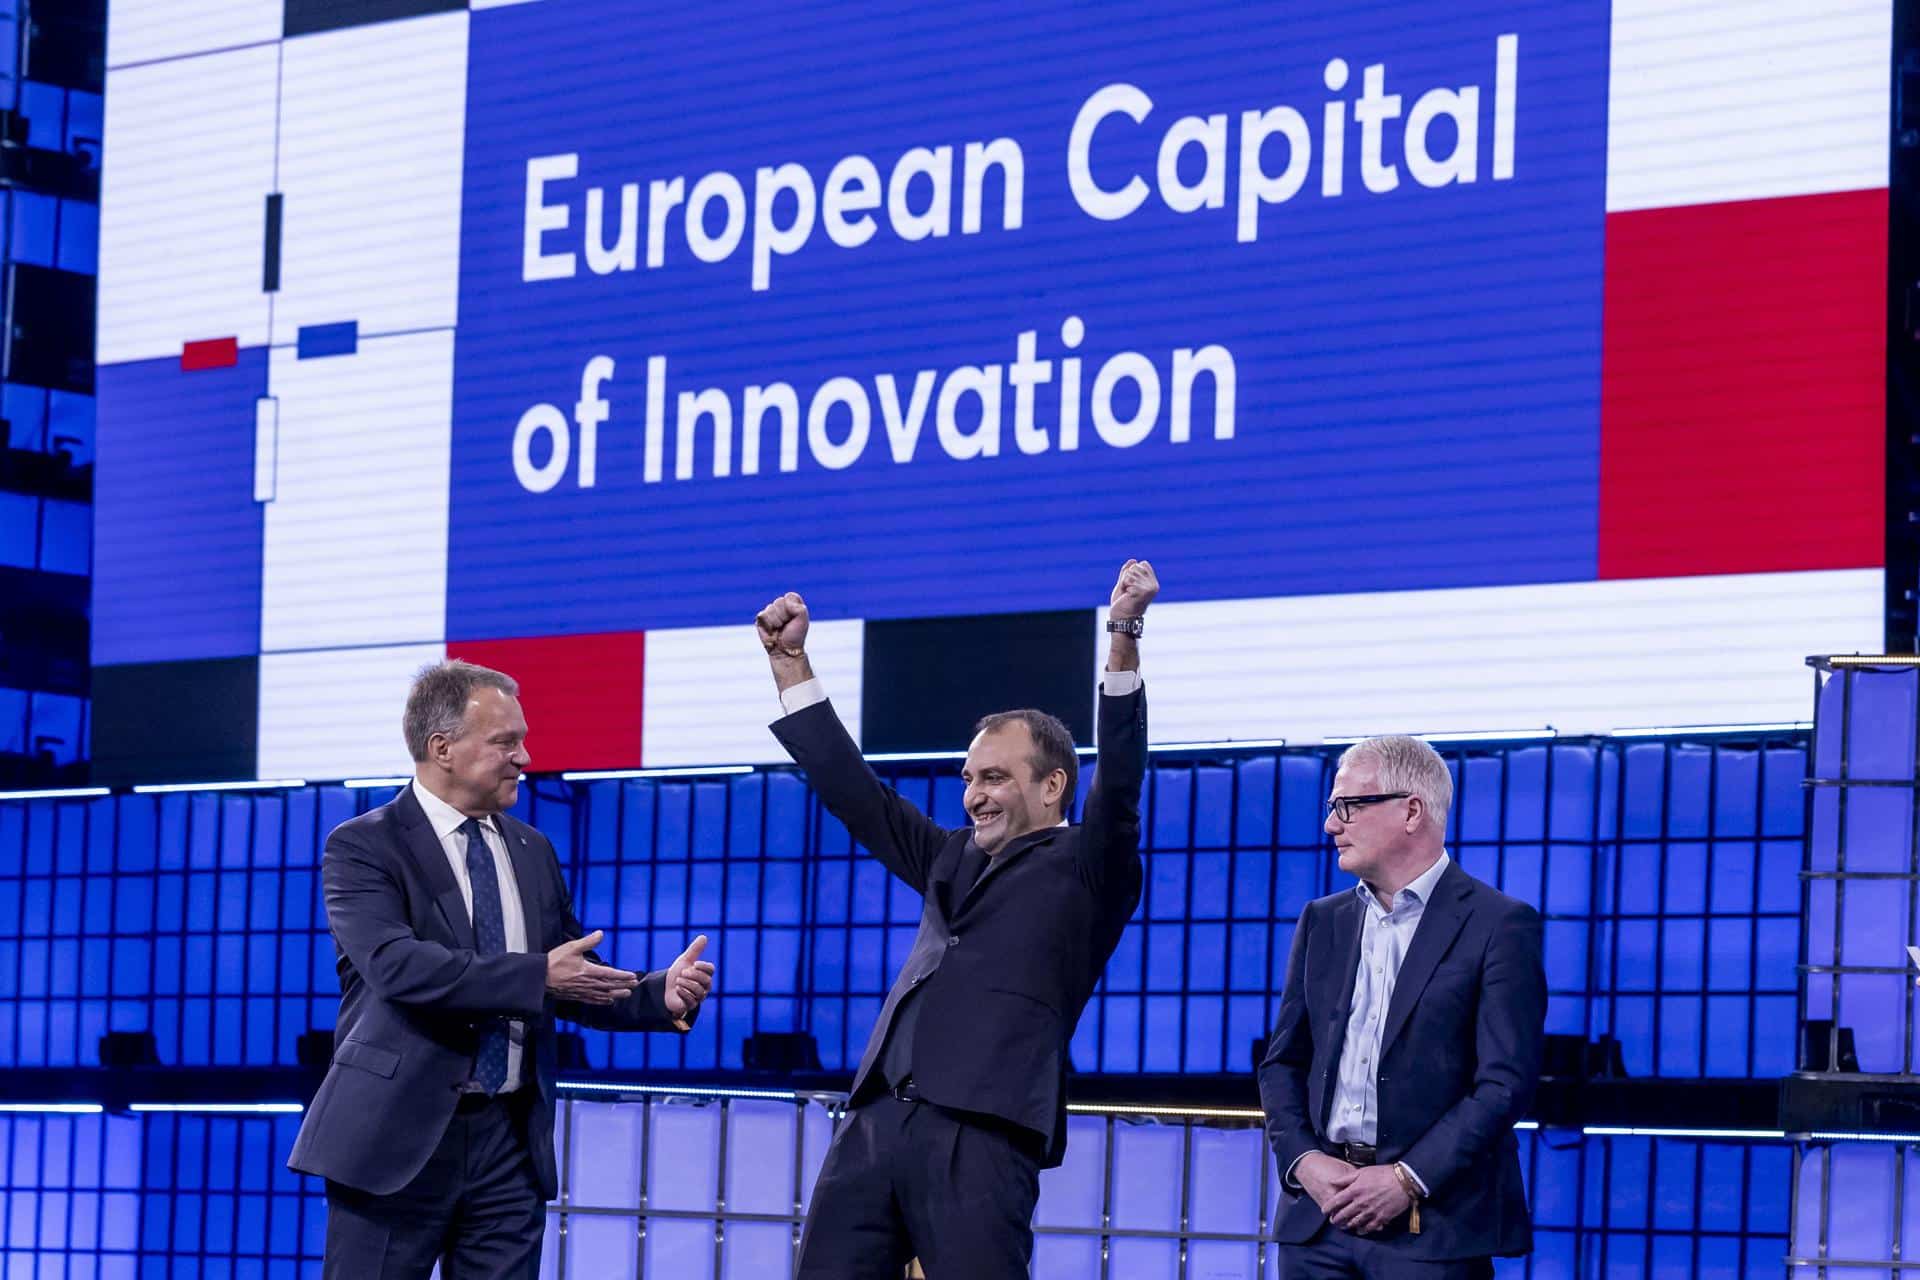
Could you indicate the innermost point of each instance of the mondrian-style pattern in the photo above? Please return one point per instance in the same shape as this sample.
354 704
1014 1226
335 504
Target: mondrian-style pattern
281 264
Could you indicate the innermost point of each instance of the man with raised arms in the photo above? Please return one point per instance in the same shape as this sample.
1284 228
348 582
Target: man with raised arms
960 1099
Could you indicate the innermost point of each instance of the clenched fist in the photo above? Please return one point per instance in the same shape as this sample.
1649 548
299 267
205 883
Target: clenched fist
1135 590
783 626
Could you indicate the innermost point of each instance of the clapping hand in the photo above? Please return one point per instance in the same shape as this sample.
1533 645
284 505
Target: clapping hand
572 976
689 978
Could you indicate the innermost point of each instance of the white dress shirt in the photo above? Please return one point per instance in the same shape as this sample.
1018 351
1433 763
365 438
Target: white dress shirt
1384 939
447 822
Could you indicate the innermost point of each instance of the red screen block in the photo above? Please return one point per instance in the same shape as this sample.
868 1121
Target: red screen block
581 694
1743 395
210 353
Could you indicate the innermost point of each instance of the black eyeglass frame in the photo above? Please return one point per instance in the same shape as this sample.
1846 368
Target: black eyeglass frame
1342 807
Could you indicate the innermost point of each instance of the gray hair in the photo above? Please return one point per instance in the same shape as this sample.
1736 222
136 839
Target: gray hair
437 703
1410 765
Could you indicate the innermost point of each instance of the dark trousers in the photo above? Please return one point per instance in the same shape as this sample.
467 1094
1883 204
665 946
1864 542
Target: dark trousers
475 1208
908 1179
1334 1254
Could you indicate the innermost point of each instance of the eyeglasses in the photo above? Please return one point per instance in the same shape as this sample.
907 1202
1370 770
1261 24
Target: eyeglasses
1342 807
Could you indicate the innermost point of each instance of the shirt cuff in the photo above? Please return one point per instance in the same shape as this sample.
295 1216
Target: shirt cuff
1292 1183
803 695
1118 684
1418 1181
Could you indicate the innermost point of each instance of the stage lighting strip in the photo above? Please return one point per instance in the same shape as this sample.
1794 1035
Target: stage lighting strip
669 1091
1870 660
1078 1108
181 1108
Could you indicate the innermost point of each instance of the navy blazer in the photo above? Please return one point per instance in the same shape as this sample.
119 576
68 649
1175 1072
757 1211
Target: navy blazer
412 993
1459 1060
1006 970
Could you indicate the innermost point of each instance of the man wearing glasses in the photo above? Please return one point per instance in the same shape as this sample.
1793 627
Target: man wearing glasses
1408 1044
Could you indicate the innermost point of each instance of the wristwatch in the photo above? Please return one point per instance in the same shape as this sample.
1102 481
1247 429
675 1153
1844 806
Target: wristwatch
1412 1188
1127 626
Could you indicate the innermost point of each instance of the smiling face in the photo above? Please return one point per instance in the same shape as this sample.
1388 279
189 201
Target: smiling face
480 767
1004 798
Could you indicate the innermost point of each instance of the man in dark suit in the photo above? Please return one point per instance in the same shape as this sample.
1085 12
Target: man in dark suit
1408 1044
960 1099
457 946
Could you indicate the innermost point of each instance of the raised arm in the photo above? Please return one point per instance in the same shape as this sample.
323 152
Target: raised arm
1110 848
904 839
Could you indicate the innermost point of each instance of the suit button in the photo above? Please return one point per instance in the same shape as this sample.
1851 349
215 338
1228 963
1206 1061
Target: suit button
954 941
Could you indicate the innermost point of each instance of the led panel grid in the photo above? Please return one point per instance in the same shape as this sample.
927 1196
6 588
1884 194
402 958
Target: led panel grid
724 1183
156 1195
1667 872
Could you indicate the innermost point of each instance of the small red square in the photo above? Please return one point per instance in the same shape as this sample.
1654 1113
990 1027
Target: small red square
581 694
212 353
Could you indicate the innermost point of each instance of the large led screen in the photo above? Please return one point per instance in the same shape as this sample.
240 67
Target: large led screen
1481 367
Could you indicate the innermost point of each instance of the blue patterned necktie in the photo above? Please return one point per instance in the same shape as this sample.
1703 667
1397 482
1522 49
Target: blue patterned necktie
489 939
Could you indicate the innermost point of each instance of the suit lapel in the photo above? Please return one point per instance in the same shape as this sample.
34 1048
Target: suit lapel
1347 938
1340 961
430 857
1439 925
946 868
996 865
528 875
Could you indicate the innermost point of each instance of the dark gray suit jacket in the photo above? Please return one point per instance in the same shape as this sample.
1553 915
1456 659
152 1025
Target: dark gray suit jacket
413 997
1004 970
1459 1061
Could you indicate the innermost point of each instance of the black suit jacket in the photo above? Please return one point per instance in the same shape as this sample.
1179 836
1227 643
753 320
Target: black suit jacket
1004 971
1459 1059
413 996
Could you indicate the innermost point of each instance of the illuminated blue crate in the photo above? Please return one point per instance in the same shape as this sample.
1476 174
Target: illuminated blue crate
1849 1200
1862 863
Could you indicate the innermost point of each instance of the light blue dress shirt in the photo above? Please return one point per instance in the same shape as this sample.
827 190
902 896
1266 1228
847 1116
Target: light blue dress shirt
1384 939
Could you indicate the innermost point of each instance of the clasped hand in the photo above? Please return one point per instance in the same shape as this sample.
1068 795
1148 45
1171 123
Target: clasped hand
1358 1200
